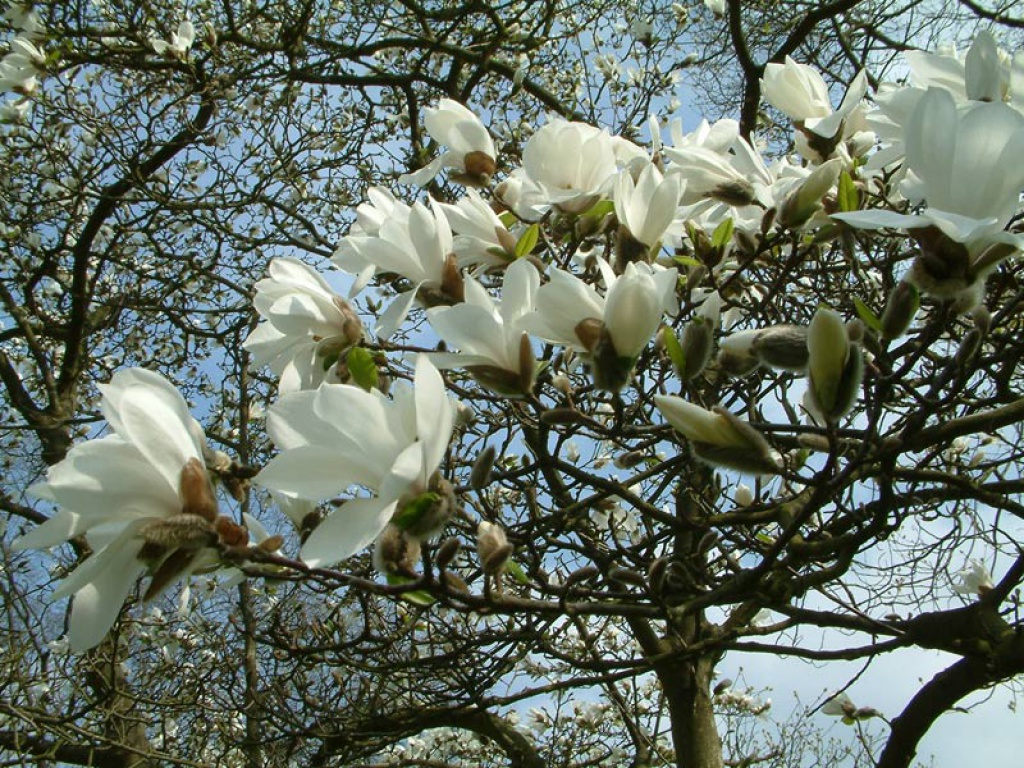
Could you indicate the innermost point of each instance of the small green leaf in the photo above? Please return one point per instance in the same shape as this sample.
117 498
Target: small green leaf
508 219
675 352
362 368
864 312
513 569
416 597
686 261
600 209
849 197
411 514
722 234
329 360
527 241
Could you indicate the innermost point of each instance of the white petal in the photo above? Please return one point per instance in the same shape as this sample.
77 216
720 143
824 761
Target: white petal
349 528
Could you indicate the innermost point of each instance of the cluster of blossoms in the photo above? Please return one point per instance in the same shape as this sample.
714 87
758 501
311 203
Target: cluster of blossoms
23 63
491 281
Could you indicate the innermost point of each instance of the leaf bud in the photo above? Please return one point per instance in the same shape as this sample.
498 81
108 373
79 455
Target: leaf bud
395 553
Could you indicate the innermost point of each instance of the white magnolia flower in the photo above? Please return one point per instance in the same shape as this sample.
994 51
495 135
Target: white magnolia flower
839 705
974 580
305 328
611 329
141 496
180 43
415 243
482 237
986 73
572 165
962 166
647 206
340 435
494 346
733 174
470 149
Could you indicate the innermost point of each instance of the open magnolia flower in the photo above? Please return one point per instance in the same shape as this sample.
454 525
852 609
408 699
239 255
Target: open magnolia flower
340 435
414 243
974 580
613 329
572 165
962 166
179 44
470 149
306 327
141 496
494 347
645 209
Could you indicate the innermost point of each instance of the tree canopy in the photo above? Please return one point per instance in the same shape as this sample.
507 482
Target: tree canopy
455 383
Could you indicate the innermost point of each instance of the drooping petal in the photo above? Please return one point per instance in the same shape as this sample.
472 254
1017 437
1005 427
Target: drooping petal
347 530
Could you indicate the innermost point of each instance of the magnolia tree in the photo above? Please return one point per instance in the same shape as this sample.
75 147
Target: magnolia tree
496 457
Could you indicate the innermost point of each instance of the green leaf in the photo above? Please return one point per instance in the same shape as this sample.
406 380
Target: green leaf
330 360
686 261
864 312
508 219
362 368
600 209
413 512
849 197
722 234
527 241
416 596
675 352
513 569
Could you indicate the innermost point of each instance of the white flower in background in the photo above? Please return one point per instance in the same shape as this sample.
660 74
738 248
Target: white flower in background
24 19
141 496
646 207
493 344
340 435
839 705
743 495
735 175
974 580
796 90
611 329
18 69
306 326
987 73
470 152
717 7
415 244
572 165
180 43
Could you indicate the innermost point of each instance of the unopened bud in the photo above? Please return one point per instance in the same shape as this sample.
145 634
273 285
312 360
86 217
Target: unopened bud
900 309
480 475
782 346
580 575
395 553
447 551
492 547
697 343
630 459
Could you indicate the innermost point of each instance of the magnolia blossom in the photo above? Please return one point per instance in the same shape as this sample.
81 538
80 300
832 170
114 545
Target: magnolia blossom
415 243
974 580
482 237
339 435
612 329
471 152
963 166
646 207
986 73
732 173
141 496
494 347
571 165
305 328
180 43
18 69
